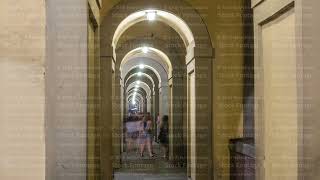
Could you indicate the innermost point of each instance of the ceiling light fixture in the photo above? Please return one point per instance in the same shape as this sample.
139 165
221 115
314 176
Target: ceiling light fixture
139 73
145 50
151 15
141 66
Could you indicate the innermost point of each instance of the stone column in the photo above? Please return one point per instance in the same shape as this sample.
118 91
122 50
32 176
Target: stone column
145 105
123 115
106 118
176 118
164 104
116 118
149 104
171 119
199 116
65 85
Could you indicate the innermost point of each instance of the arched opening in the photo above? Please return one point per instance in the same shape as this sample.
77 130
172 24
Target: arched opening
149 52
170 19
180 77
142 66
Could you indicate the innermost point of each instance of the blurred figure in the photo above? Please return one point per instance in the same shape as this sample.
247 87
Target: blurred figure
158 121
145 136
132 133
163 136
149 131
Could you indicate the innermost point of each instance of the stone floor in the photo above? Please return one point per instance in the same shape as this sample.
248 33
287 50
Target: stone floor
141 176
134 167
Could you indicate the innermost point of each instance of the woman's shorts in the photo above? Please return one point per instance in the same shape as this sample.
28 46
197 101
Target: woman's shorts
133 135
145 137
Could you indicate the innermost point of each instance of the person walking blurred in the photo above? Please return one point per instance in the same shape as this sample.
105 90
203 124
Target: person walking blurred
163 136
158 121
146 136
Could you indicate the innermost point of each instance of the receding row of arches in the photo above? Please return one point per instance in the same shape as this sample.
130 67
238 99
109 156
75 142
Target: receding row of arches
158 62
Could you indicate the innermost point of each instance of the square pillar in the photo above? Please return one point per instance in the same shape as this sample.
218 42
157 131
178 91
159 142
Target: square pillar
199 118
106 118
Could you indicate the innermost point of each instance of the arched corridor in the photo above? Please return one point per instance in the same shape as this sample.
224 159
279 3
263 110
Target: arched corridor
158 89
154 58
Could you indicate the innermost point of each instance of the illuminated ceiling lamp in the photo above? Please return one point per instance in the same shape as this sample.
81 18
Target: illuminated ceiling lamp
145 50
151 15
141 66
139 73
138 82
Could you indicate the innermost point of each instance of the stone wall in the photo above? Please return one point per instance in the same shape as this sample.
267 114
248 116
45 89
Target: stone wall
22 97
66 89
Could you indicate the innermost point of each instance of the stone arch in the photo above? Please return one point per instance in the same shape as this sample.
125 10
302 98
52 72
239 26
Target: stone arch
155 96
175 60
146 71
129 92
154 53
170 19
198 59
140 90
136 102
140 99
143 80
155 72
168 57
188 27
146 98
143 85
139 95
143 75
